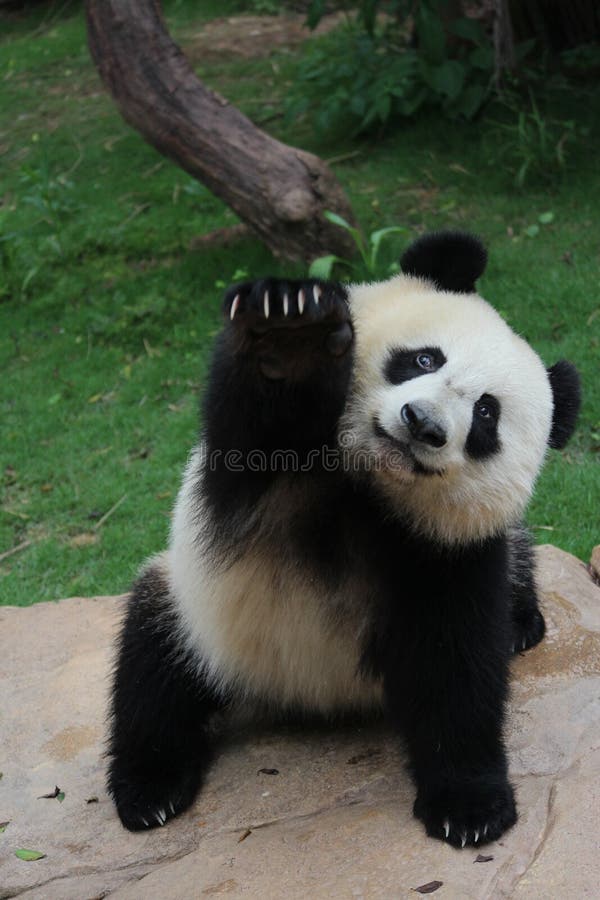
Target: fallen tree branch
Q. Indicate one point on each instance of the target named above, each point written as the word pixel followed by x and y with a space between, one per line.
pixel 281 192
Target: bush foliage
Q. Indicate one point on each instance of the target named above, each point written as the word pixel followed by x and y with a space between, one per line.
pixel 373 70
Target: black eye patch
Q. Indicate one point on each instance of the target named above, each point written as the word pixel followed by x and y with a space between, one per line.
pixel 483 440
pixel 402 364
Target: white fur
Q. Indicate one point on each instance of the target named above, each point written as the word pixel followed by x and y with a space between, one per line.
pixel 260 627
pixel 471 499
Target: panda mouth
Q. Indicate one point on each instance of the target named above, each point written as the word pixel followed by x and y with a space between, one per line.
pixel 413 464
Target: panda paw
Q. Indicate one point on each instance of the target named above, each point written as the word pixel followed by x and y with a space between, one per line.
pixel 291 326
pixel 286 303
pixel 144 802
pixel 528 630
pixel 467 815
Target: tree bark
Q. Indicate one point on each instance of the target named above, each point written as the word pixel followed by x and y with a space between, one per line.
pixel 279 191
pixel 505 59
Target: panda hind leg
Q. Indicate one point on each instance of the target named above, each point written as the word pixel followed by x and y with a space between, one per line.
pixel 162 713
pixel 528 624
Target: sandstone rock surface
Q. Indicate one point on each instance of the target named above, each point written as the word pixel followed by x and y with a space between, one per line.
pixel 335 822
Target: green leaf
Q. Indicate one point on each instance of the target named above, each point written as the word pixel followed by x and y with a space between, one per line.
pixel 532 231
pixel 322 266
pixel 546 218
pixel 384 106
pixel 29 855
pixel 430 34
pixel 337 220
pixel 470 100
pixel 368 12
pixel 60 796
pixel 482 58
pixel 4 826
pixel 447 79
pixel 29 277
pixel 469 29
pixel 315 13
pixel 377 237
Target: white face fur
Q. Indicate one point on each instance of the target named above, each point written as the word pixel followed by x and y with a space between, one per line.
pixel 447 492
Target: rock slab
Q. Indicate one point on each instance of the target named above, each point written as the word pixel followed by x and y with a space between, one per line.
pixel 336 820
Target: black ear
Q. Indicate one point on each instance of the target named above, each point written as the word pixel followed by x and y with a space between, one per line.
pixel 454 260
pixel 566 389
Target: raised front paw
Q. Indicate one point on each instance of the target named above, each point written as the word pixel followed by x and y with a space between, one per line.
pixel 290 325
pixel 144 801
pixel 284 303
pixel 529 628
pixel 468 814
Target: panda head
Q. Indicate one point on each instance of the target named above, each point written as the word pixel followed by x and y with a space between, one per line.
pixel 451 412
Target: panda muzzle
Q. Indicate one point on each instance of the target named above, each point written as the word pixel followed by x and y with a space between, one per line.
pixel 422 426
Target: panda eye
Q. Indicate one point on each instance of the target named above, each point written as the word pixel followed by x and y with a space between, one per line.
pixel 424 361
pixel 404 363
pixel 487 407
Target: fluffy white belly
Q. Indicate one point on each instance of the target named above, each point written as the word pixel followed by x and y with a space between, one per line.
pixel 261 628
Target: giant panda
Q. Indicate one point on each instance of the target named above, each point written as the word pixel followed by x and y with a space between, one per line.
pixel 348 537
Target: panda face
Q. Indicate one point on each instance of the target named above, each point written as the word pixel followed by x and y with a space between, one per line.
pixel 438 422
pixel 450 409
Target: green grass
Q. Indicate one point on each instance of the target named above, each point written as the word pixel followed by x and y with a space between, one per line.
pixel 108 307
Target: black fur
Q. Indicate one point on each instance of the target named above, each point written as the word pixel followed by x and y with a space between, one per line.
pixel 566 389
pixel 444 621
pixel 159 744
pixel 482 440
pixel 441 641
pixel 452 260
pixel 246 411
pixel 528 622
pixel 402 364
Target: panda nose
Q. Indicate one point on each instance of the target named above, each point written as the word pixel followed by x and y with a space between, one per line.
pixel 421 426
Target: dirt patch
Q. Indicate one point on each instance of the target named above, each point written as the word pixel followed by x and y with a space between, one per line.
pixel 252 37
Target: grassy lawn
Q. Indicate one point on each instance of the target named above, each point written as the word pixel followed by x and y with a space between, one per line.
pixel 108 303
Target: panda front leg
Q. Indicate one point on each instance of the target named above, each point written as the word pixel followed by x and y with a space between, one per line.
pixel 529 626
pixel 447 693
pixel 162 710
pixel 278 382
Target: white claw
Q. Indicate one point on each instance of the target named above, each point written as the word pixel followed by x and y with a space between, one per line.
pixel 524 643
pixel 476 837
pixel 286 304
pixel 463 839
pixel 316 293
pixel 146 822
pixel 234 306
pixel 172 808
pixel 485 831
pixel 266 304
pixel 301 301
pixel 161 816
pixel 447 828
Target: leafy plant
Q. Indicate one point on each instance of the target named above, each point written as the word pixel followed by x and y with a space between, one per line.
pixel 532 146
pixel 25 251
pixel 51 197
pixel 373 70
pixel 582 60
pixel 18 266
pixel 368 249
